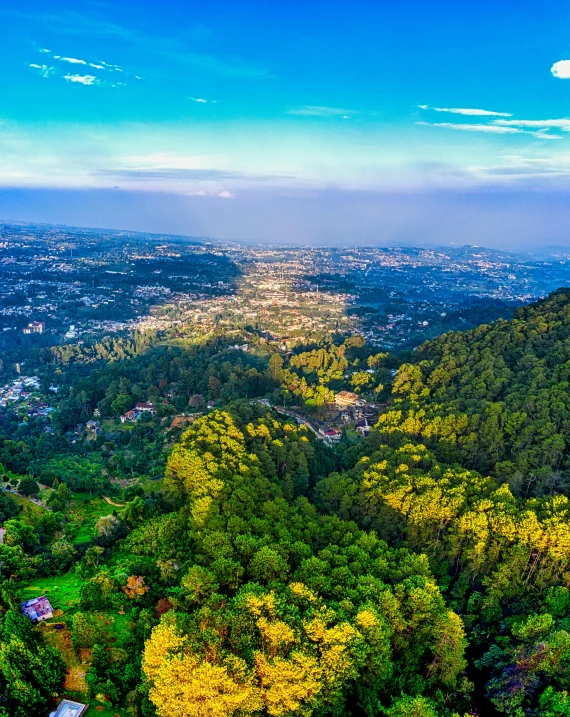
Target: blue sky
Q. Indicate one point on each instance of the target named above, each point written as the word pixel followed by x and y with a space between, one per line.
pixel 225 110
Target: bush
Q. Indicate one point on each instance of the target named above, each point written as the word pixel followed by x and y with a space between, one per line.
pixel 29 486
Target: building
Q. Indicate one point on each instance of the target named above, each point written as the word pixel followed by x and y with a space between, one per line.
pixel 130 416
pixel 37 609
pixel 34 327
pixel 69 708
pixel 363 427
pixel 146 407
pixel 345 399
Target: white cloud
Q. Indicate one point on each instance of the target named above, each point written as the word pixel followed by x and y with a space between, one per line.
pixel 318 111
pixel 44 70
pixel 109 66
pixel 226 195
pixel 201 100
pixel 471 112
pixel 561 69
pixel 82 79
pixel 44 49
pixel 71 60
pixel 98 65
pixel 563 124
pixel 487 128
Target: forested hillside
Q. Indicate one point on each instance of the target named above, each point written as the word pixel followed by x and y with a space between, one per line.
pixel 423 571
pixel 496 398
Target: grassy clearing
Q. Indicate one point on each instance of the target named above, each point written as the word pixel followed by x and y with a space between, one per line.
pixel 62 591
pixel 45 492
pixel 109 425
pixel 31 512
pixel 87 510
pixel 119 628
pixel 101 709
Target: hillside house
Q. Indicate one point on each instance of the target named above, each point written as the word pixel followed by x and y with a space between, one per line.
pixel 130 416
pixel 347 399
pixel 37 609
pixel 146 407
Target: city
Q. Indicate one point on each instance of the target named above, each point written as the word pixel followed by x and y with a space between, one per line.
pixel 63 284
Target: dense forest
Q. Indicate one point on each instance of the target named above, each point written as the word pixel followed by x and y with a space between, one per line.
pixel 241 566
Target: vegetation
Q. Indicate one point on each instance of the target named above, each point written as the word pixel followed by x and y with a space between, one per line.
pixel 420 572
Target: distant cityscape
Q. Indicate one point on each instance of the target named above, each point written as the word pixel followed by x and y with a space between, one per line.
pixel 64 285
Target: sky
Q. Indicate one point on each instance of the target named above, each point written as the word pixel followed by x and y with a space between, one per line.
pixel 298 121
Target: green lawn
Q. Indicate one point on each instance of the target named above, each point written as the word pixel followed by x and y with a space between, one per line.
pixel 110 425
pixel 107 710
pixel 88 513
pixel 62 591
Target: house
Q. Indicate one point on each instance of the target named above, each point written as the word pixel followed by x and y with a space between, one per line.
pixel 92 426
pixel 69 708
pixel 363 427
pixel 34 327
pixel 37 609
pixel 146 407
pixel 333 435
pixel 344 399
pixel 211 404
pixel 130 416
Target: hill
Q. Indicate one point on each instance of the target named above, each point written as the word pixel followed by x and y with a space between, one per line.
pixel 421 572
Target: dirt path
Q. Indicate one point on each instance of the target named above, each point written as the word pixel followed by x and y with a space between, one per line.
pixel 111 502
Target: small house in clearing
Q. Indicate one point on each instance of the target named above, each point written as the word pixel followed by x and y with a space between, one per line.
pixel 37 609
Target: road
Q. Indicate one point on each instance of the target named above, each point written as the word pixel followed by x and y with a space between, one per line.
pixel 305 421
pixel 32 500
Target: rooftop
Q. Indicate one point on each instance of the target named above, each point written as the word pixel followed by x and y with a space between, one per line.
pixel 68 708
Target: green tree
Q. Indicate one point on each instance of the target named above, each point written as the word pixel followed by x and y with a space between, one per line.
pixel 28 486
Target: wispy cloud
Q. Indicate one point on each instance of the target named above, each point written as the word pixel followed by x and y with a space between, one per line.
pixel 561 69
pixel 201 100
pixel 174 51
pixel 487 128
pixel 516 168
pixel 226 195
pixel 98 65
pixel 71 60
pixel 43 70
pixel 110 66
pixel 472 112
pixel 319 111
pixel 82 79
pixel 562 124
